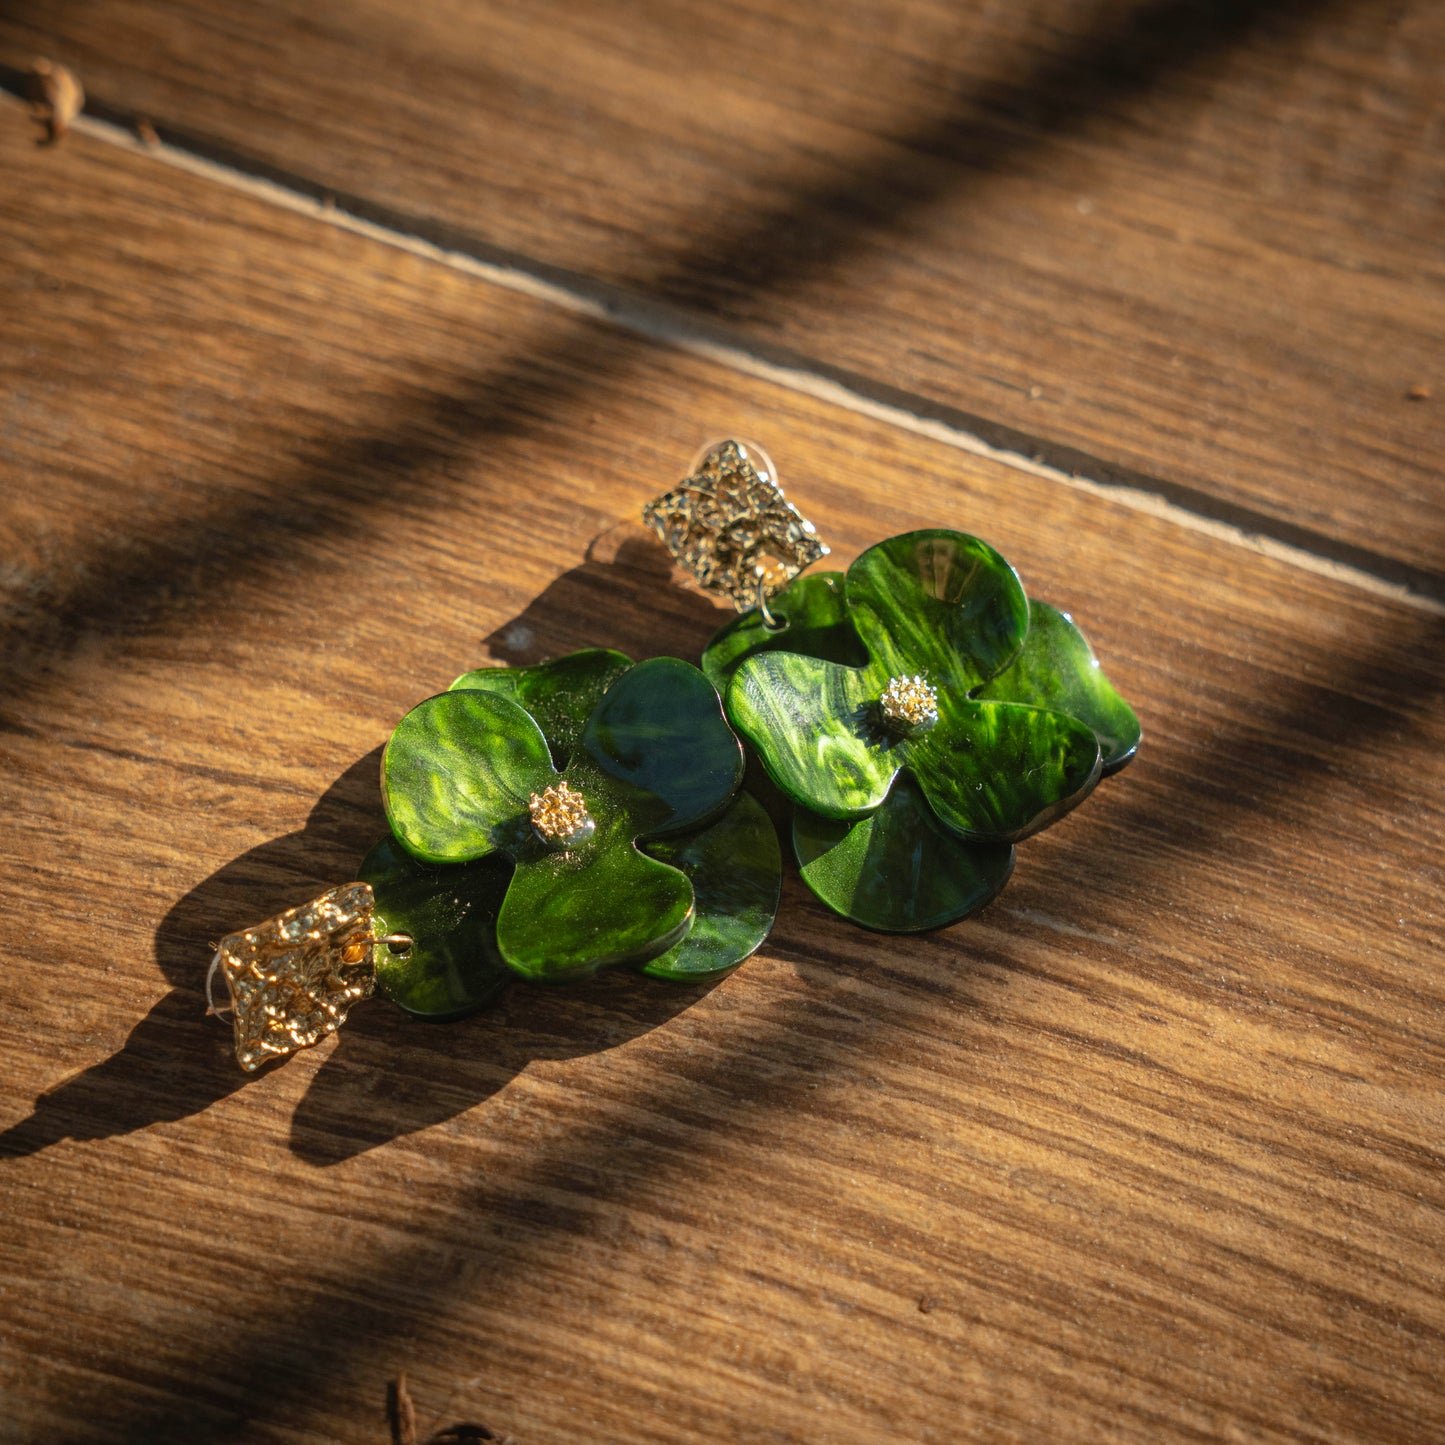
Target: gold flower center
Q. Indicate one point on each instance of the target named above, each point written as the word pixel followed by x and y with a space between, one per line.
pixel 909 704
pixel 559 814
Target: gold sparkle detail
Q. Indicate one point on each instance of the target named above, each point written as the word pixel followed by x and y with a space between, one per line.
pixel 294 978
pixel 909 703
pixel 559 814
pixel 730 526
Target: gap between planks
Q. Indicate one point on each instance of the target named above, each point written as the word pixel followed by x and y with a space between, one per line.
pixel 668 326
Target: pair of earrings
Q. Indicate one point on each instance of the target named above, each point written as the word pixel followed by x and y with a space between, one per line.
pixel 921 714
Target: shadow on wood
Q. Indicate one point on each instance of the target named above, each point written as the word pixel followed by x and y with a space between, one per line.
pixel 624 596
pixel 177 1063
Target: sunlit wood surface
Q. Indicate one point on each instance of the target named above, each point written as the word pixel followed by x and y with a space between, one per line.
pixel 1150 1151
pixel 1193 244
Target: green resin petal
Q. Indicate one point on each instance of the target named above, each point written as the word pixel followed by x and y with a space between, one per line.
pixel 567 914
pixel 898 871
pixel 814 726
pixel 457 773
pixel 736 870
pixel 1057 670
pixel 560 694
pixel 453 966
pixel 813 614
pixel 939 603
pixel 660 731
pixel 1001 771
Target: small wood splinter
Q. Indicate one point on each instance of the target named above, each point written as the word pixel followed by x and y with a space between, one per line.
pixel 56 97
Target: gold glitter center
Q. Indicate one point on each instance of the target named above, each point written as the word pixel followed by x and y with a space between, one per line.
pixel 909 703
pixel 559 814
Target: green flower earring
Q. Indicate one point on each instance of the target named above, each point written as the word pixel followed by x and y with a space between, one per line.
pixel 921 712
pixel 639 849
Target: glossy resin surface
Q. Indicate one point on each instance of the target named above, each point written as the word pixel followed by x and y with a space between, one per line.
pixel 650 752
pixel 1013 725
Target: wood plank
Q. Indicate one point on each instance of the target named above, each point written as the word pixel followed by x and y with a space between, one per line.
pixel 1191 246
pixel 1147 1152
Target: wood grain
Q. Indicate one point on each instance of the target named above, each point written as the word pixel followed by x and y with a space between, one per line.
pixel 1150 1151
pixel 1192 246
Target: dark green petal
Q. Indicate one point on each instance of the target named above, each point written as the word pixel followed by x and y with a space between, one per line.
pixel 736 870
pixel 559 694
pixel 1058 670
pixel 938 603
pixel 1001 771
pixel 457 774
pixel 450 910
pixel 813 617
pixel 660 731
pixel 897 870
pixel 568 914
pixel 814 725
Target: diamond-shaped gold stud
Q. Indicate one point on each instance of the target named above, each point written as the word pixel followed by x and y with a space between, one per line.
pixel 730 526
pixel 294 978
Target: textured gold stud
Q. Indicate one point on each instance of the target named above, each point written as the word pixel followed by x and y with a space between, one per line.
pixel 294 978
pixel 730 526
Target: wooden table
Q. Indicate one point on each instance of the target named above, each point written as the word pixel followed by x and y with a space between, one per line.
pixel 356 372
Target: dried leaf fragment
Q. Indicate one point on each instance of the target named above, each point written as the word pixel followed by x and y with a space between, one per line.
pixel 401 1413
pixel 55 96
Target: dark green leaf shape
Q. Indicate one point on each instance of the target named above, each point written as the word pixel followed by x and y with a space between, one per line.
pixel 559 694
pixel 813 616
pixel 1057 670
pixel 814 726
pixel 939 603
pixel 661 733
pixel 999 771
pixel 453 966
pixel 567 914
pixel 898 871
pixel 736 870
pixel 457 773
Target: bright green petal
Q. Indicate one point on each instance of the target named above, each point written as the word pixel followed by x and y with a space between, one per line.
pixel 898 871
pixel 453 966
pixel 814 726
pixel 938 603
pixel 997 770
pixel 736 870
pixel 1057 670
pixel 813 619
pixel 457 774
pixel 560 694
pixel 660 731
pixel 568 914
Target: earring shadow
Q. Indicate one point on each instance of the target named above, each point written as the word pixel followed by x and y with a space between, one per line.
pixel 390 1075
pixel 626 589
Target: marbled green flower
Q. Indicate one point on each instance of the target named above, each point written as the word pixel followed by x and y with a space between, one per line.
pixel 924 717
pixel 636 849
